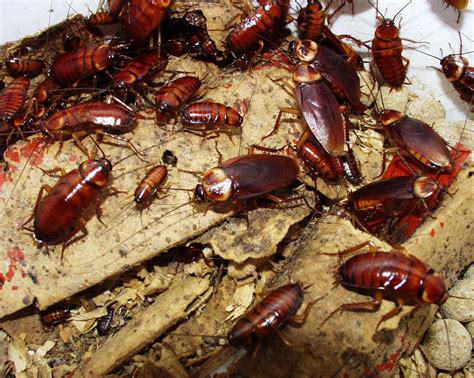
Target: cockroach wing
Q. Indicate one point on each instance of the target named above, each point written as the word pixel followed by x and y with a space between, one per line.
pixel 322 115
pixel 254 175
pixel 417 136
pixel 391 189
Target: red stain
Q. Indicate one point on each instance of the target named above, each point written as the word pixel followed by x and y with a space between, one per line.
pixel 242 105
pixel 432 233
pixel 35 150
pixel 441 224
pixel 2 280
pixel 17 263
pixel 14 288
pixel 12 155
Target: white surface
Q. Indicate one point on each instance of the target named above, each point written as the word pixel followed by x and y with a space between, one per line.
pixel 422 20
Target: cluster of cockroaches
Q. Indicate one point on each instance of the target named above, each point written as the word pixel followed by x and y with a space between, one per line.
pixel 327 91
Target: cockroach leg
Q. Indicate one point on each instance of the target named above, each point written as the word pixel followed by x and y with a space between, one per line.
pixel 278 120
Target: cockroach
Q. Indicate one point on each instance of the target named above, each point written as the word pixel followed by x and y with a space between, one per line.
pixel 52 318
pixel 100 18
pixel 201 45
pixel 24 67
pixel 143 16
pixel 351 168
pixel 261 27
pixel 169 158
pixel 418 139
pixel 12 99
pixel 45 90
pixel 387 49
pixel 391 275
pixel 311 20
pixel 274 311
pixel 150 185
pixel 72 42
pixel 210 116
pixel 85 61
pixel 137 68
pixel 459 5
pixel 245 177
pixel 172 96
pixel 110 118
pixel 341 75
pixel 115 7
pixel 104 323
pixel 460 75
pixel 57 216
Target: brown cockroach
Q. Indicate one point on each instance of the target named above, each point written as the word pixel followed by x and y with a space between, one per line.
pixel 143 16
pixel 138 68
pixel 100 18
pixel 24 67
pixel 58 216
pixel 52 318
pixel 210 116
pixel 247 176
pixel 171 97
pixel 340 75
pixel 387 49
pixel 459 5
pixel 115 7
pixel 12 98
pixel 418 139
pixel 391 275
pixel 85 61
pixel 263 26
pixel 460 75
pixel 150 185
pixel 311 20
pixel 266 317
pixel 104 323
pixel 45 90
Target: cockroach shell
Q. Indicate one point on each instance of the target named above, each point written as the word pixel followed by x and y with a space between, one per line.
pixel 420 140
pixel 454 67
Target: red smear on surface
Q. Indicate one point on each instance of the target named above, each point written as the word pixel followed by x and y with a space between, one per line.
pixel 36 149
pixel 12 155
pixel 243 105
pixel 2 280
pixel 14 288
pixel 432 233
pixel 16 256
pixel 441 224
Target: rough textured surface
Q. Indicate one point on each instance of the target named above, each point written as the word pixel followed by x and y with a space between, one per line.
pixel 462 308
pixel 447 353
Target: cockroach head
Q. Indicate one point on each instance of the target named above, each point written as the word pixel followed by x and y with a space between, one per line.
pixel 387 29
pixel 199 195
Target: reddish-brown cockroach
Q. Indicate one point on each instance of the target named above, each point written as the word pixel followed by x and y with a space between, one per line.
pixel 459 5
pixel 341 75
pixel 210 116
pixel 24 67
pixel 391 275
pixel 172 96
pixel 52 318
pixel 245 177
pixel 104 323
pixel 110 118
pixel 138 68
pixel 115 7
pixel 418 139
pixel 150 185
pixel 311 20
pixel 266 317
pixel 12 99
pixel 201 45
pixel 387 49
pixel 264 25
pixel 45 90
pixel 100 18
pixel 85 61
pixel 460 75
pixel 57 216
pixel 143 16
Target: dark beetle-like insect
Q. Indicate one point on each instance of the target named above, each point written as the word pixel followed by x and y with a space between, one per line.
pixel 210 116
pixel 24 67
pixel 267 316
pixel 391 275
pixel 169 158
pixel 150 185
pixel 104 323
pixel 172 96
pixel 11 100
pixel 55 317
pixel 246 176
pixel 460 75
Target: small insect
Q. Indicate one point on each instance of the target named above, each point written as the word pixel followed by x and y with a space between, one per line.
pixel 52 318
pixel 311 20
pixel 172 96
pixel 169 158
pixel 460 75
pixel 104 323
pixel 24 67
pixel 390 275
pixel 459 5
pixel 150 185
pixel 12 99
pixel 351 168
pixel 275 310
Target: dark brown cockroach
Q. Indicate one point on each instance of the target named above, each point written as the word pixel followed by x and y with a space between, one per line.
pixel 351 168
pixel 52 318
pixel 267 316
pixel 57 216
pixel 12 98
pixel 115 7
pixel 341 75
pixel 93 115
pixel 201 45
pixel 171 97
pixel 263 26
pixel 138 68
pixel 24 67
pixel 391 275
pixel 311 20
pixel 460 75
pixel 85 61
pixel 245 177
pixel 100 18
pixel 143 16
pixel 150 185
pixel 210 116
pixel 104 323
pixel 169 158
pixel 45 90
pixel 459 5
pixel 418 139
pixel 387 49
pixel 320 109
